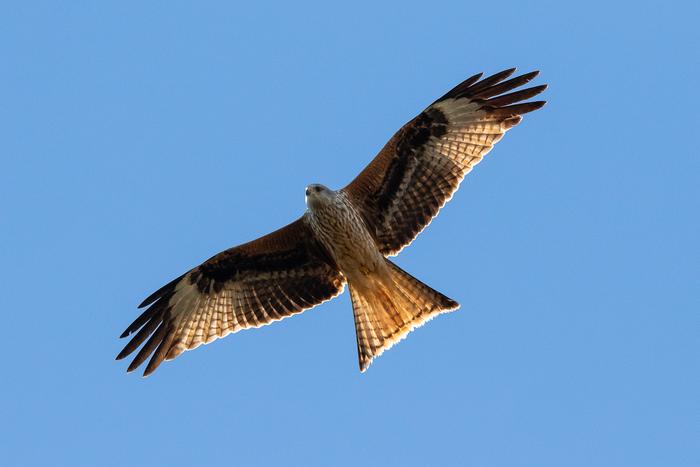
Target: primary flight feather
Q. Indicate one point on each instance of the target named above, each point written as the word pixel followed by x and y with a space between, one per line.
pixel 344 237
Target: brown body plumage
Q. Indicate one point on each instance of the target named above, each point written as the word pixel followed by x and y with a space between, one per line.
pixel 345 236
pixel 387 302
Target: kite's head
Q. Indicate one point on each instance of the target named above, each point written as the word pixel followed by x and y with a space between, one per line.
pixel 317 194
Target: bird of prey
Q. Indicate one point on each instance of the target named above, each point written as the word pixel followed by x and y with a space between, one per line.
pixel 343 237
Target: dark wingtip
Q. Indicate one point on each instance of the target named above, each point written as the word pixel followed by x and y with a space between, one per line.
pixel 473 79
pixel 150 299
pixel 532 106
pixel 141 320
pixel 169 287
pixel 133 365
pixel 520 109
pixel 527 77
pixel 497 77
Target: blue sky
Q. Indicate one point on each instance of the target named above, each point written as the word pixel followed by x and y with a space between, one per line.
pixel 138 140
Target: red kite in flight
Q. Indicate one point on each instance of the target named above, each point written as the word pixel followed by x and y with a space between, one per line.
pixel 344 237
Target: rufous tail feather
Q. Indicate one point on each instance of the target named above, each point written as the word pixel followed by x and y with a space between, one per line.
pixel 387 310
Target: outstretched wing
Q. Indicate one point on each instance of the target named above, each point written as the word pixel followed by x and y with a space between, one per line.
pixel 422 165
pixel 251 285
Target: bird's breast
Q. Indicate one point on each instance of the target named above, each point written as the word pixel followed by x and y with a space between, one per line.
pixel 341 229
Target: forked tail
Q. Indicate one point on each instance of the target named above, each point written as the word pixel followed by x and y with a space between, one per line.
pixel 386 311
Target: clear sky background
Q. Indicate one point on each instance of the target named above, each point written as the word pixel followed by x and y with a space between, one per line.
pixel 139 139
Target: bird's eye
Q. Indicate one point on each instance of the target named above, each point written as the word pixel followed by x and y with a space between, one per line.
pixel 318 188
pixel 307 192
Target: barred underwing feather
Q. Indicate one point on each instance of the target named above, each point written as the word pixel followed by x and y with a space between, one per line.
pixel 240 288
pixel 422 165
